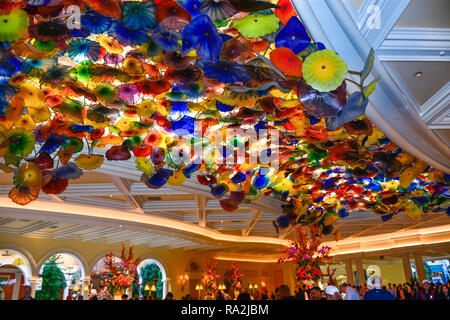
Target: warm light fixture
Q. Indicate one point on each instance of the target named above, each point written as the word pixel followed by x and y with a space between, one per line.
pixel 256 286
pixel 147 288
pixel 86 287
pixel 153 287
pixel 76 288
pixel 250 287
pixel 263 284
pixel 418 74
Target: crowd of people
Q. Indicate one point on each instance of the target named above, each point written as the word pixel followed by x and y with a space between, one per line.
pixel 375 290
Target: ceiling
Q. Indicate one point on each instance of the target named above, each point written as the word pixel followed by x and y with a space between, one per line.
pixel 414 39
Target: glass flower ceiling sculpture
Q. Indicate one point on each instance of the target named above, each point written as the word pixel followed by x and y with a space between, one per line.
pixel 149 80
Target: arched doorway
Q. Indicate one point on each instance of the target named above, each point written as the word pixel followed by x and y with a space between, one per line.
pixel 72 269
pixel 11 282
pixel 152 272
pixel 16 259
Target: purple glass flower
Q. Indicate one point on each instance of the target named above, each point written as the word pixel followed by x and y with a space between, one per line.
pixel 128 93
pixel 113 58
pixel 321 104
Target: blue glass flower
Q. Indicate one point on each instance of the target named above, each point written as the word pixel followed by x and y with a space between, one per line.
pixel 38 3
pixel 166 39
pixel 137 15
pixel 218 190
pixel 69 171
pixel 80 49
pixel 202 35
pixel 260 182
pixel 239 177
pixel 96 22
pixel 53 142
pixel 223 107
pixel 226 71
pixel 293 36
pixel 190 169
pixel 83 32
pixel 179 107
pixel 191 6
pixel 128 37
pixel 351 111
pixel 184 126
pixel 283 222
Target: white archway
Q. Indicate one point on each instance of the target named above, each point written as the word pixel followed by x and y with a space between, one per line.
pixel 79 260
pixel 162 267
pixel 28 269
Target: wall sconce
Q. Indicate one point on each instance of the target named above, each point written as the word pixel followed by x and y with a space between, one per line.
pixel 76 288
pixel 86 287
pixel 153 288
pixel 147 288
pixel 183 280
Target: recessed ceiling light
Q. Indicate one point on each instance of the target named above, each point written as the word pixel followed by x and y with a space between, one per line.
pixel 120 226
pixel 418 74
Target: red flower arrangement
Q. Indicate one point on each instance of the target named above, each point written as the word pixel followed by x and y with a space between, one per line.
pixel 330 275
pixel 211 274
pixel 305 252
pixel 233 277
pixel 120 275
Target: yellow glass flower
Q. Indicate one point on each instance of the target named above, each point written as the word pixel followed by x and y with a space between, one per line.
pixel 125 123
pixel 29 175
pixel 40 114
pixel 24 121
pixel 142 164
pixel 324 70
pixel 110 44
pixel 89 162
pixel 413 211
pixel 177 179
pixel 31 95
pixel 146 108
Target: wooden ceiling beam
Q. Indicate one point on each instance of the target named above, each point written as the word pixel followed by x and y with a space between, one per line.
pixel 251 224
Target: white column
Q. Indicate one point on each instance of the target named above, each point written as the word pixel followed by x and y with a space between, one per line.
pixel 407 267
pixel 360 272
pixel 16 289
pixel 420 269
pixel 85 294
pixel 33 280
pixel 349 270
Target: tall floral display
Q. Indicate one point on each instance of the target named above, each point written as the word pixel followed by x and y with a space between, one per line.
pixel 233 277
pixel 211 275
pixel 119 275
pixel 305 253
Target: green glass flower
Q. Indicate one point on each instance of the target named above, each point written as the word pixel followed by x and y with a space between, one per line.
pixel 257 25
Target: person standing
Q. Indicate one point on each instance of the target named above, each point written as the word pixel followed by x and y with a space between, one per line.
pixel 426 293
pixel 315 294
pixel 378 293
pixel 332 293
pixel 350 293
pixel 27 293
pixel 391 290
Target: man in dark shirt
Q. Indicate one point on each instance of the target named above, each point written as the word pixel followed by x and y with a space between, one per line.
pixel 378 293
pixel 426 293
pixel 285 292
pixel 27 293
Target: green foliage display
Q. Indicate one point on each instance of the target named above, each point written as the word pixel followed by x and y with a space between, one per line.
pixel 148 274
pixel 53 281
